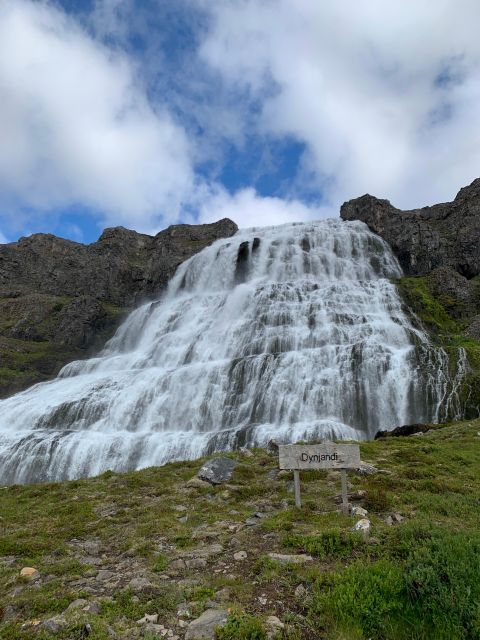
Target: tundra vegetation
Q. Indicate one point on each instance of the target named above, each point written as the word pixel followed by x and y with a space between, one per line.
pixel 151 542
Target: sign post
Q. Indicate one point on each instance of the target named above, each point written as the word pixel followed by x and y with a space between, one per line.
pixel 319 456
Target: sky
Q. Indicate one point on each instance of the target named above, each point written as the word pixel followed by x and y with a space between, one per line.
pixel 146 113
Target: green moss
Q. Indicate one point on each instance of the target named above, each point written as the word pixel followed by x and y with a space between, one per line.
pixel 433 314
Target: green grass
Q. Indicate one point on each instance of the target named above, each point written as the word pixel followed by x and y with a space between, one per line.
pixel 407 571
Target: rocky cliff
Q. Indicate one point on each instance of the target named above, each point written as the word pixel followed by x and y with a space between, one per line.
pixel 60 300
pixel 444 235
pixel 439 250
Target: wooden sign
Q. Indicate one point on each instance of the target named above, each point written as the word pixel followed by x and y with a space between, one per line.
pixel 319 456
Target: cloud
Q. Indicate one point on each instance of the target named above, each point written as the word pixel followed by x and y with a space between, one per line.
pixel 77 126
pixel 385 96
pixel 248 209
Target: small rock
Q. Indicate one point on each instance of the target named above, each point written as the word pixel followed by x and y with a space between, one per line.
pixel 217 470
pixel 148 619
pixel 140 584
pixel 93 608
pixel 359 511
pixel 30 573
pixel 177 565
pixel 273 621
pixel 272 448
pixel 9 613
pixel 54 625
pixel 180 507
pixel 196 563
pixel 252 522
pixel 364 526
pixel 103 575
pixel 273 474
pixel 203 628
pixel 300 591
pixel 240 555
pixel 292 558
pixel 389 521
pixel 77 604
pixel 247 453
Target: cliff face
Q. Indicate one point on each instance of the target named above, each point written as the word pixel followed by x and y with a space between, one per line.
pixel 445 235
pixel 60 300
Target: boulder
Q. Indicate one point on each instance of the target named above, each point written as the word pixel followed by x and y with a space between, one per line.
pixel 217 470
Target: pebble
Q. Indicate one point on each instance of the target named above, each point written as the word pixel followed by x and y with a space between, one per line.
pixel 30 573
pixel 240 555
pixel 148 619
pixel 364 526
pixel 359 511
pixel 300 591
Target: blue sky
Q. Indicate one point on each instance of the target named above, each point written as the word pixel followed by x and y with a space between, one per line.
pixel 145 113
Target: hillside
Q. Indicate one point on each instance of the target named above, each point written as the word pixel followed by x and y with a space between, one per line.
pixel 116 549
pixel 61 300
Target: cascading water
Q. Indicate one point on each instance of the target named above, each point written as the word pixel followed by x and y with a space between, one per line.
pixel 292 332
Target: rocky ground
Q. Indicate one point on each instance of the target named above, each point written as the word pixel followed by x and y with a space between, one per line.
pixel 61 300
pixel 164 553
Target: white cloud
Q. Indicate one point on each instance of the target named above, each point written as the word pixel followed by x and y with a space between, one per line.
pixel 76 126
pixel 385 95
pixel 248 209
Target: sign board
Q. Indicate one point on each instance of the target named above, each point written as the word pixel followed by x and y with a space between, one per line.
pixel 319 456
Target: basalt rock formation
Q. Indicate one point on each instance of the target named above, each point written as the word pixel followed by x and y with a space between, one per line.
pixel 444 235
pixel 60 300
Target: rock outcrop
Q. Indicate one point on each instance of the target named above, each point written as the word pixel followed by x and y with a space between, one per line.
pixel 60 300
pixel 444 235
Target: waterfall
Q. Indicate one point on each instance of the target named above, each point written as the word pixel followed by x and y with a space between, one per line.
pixel 292 332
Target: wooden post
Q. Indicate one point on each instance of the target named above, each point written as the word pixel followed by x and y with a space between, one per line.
pixel 296 481
pixel 344 492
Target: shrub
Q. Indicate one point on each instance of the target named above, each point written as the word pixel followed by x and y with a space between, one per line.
pixel 241 626
pixel 334 543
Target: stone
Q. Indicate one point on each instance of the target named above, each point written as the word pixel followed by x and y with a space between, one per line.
pixel 246 453
pixel 359 511
pixel 153 619
pixel 77 604
pixel 363 526
pixel 30 573
pixel 203 628
pixel 284 558
pixel 196 563
pixel 54 625
pixel 104 575
pixel 300 591
pixel 140 584
pixel 240 555
pixel 272 448
pixel 404 430
pixel 217 470
pixel 276 623
pixel 273 474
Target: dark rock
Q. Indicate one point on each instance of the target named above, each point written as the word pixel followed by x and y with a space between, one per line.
pixel 272 448
pixel 405 430
pixel 473 329
pixel 217 470
pixel 444 235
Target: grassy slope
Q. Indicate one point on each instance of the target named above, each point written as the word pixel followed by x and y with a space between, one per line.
pixel 418 579
pixel 446 321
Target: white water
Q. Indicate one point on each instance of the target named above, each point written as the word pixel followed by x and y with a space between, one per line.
pixel 298 334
